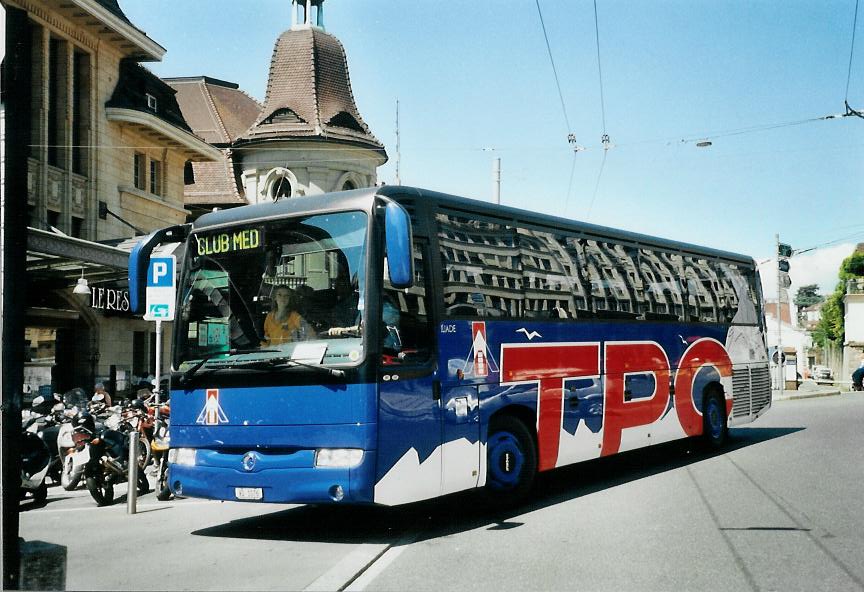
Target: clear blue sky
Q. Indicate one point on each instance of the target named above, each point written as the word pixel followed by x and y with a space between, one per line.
pixel 475 75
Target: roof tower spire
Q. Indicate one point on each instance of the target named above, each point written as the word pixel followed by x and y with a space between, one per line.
pixel 306 14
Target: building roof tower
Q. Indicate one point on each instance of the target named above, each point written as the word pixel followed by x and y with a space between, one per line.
pixel 309 91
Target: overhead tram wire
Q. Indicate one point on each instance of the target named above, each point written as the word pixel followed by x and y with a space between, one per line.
pixel 571 137
pixel 554 69
pixel 604 139
pixel 850 110
pixel 824 245
pixel 600 72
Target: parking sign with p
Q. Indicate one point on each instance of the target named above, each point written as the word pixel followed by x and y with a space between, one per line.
pixel 161 289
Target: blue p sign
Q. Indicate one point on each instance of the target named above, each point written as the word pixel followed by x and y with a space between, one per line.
pixel 161 289
pixel 160 274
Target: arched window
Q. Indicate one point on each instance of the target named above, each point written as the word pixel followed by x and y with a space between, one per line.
pixel 350 180
pixel 280 188
pixel 279 183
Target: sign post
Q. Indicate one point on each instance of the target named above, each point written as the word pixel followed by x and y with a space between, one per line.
pixel 161 296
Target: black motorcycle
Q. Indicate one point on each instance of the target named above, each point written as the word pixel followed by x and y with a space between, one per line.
pixel 108 460
pixel 44 419
pixel 35 461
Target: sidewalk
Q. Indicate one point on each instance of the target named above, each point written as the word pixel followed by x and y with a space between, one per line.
pixel 808 389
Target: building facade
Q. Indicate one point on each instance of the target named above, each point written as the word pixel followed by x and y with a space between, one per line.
pixel 307 138
pixel 105 163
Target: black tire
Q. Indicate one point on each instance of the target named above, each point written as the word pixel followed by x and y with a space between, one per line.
pixel 511 462
pixel 55 472
pixel 144 453
pixel 69 479
pixel 103 493
pixel 162 484
pixel 40 494
pixel 143 483
pixel 715 432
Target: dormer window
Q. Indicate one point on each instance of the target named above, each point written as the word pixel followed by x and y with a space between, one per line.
pixel 346 120
pixel 280 188
pixel 151 102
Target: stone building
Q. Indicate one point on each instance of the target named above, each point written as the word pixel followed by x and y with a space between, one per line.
pixel 307 138
pixel 106 158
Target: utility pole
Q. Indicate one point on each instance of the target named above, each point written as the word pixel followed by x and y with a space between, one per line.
pixel 780 369
pixel 784 251
pixel 13 236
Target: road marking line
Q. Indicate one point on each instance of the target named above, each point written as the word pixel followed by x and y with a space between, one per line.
pixel 347 569
pixel 361 566
pixel 119 505
pixel 374 569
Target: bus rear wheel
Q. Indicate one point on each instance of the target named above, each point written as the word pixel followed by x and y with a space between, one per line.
pixel 511 462
pixel 714 429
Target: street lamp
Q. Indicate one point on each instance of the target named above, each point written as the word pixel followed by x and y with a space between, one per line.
pixel 81 288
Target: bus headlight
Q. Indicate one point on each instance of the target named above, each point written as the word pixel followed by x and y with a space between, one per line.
pixel 344 458
pixel 182 456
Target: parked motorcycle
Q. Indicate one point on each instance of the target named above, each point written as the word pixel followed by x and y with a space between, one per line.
pixel 107 460
pixel 135 417
pixel 160 445
pixel 71 448
pixel 43 419
pixel 35 462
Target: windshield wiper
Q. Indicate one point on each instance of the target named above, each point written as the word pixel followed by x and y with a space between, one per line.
pixel 286 360
pixel 231 352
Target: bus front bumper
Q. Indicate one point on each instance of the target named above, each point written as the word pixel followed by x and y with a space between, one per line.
pixel 272 478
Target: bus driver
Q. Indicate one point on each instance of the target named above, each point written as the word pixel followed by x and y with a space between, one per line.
pixel 283 324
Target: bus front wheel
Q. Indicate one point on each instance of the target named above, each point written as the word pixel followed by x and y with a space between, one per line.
pixel 511 462
pixel 714 430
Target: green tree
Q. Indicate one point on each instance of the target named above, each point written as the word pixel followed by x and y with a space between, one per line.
pixel 808 296
pixel 831 325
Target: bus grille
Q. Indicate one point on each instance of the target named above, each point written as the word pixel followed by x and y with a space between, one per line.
pixel 761 388
pixel 751 389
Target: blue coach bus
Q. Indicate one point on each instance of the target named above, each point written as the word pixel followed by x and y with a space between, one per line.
pixel 436 344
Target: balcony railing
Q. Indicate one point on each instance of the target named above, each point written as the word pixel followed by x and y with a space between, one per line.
pixel 855 286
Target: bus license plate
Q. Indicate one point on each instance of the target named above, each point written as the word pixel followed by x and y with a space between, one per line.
pixel 248 493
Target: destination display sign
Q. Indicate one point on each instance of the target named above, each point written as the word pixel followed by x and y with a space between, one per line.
pixel 235 241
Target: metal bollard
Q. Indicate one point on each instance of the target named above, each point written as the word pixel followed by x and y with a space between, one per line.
pixel 132 496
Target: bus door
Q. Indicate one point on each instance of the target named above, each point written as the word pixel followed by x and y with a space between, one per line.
pixel 409 406
pixel 460 451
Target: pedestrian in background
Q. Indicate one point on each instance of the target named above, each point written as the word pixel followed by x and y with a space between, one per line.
pixel 101 395
pixel 858 378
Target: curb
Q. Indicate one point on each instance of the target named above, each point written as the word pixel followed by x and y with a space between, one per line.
pixel 806 395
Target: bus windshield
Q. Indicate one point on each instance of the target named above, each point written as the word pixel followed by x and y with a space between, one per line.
pixel 288 290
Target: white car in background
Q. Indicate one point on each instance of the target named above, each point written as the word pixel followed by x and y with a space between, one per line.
pixel 822 373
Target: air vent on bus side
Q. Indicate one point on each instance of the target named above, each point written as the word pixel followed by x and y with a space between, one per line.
pixel 751 389
pixel 760 379
pixel 741 392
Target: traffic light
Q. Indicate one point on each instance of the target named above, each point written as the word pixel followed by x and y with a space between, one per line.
pixel 783 265
pixel 784 250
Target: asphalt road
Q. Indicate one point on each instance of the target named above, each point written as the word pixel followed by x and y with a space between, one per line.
pixel 782 508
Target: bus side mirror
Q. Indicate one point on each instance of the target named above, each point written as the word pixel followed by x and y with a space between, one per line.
pixel 400 259
pixel 139 262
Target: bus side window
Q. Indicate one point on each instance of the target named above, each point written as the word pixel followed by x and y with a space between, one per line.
pixel 405 318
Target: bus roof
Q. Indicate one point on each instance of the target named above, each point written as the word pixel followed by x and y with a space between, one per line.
pixel 592 230
pixel 357 199
pixel 361 199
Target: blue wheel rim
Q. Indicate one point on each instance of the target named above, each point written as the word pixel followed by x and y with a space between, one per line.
pixel 506 460
pixel 715 418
